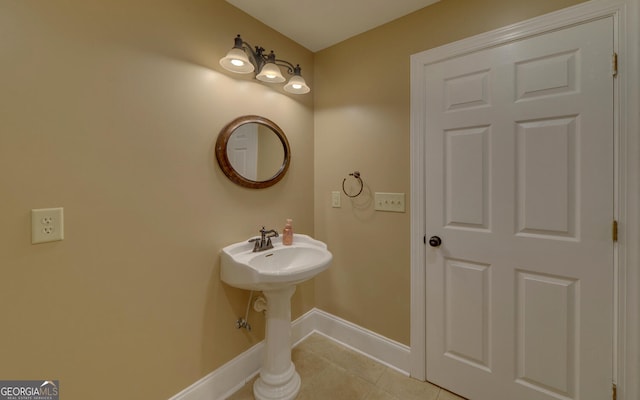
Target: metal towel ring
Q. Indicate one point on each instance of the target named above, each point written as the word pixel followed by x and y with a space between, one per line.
pixel 356 175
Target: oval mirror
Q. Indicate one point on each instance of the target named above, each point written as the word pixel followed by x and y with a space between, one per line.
pixel 253 152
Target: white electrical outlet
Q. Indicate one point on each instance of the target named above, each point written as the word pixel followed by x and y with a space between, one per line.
pixel 389 202
pixel 47 225
pixel 335 199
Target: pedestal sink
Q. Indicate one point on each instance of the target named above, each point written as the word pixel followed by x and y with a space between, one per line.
pixel 275 272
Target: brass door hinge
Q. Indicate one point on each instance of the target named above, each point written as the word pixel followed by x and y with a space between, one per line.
pixel 614 231
pixel 614 393
pixel 614 64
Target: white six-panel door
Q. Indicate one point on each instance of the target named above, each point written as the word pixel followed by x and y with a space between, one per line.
pixel 519 187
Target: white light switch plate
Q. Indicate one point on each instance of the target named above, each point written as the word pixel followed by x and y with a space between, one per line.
pixel 47 225
pixel 335 199
pixel 393 202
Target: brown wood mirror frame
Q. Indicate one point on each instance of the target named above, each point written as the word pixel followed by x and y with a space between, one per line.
pixel 222 152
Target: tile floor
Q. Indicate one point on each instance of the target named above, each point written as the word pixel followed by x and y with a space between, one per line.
pixel 331 371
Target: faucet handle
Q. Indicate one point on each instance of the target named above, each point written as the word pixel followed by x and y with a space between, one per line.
pixel 256 244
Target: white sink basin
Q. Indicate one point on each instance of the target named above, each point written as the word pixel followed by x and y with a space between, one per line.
pixel 275 268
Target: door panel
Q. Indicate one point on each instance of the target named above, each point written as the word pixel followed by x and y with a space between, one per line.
pixel 546 164
pixel 466 313
pixel 546 354
pixel 519 185
pixel 466 177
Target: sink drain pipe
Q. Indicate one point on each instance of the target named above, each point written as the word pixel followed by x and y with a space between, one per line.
pixel 260 304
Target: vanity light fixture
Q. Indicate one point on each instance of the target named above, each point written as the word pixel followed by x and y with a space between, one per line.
pixel 243 59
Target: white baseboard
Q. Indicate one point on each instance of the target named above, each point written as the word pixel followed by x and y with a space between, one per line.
pixel 383 350
pixel 230 377
pixel 227 379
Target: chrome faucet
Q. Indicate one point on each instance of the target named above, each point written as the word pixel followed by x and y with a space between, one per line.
pixel 264 241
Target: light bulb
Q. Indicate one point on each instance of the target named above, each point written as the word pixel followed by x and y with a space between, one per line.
pixel 237 61
pixel 270 73
pixel 297 85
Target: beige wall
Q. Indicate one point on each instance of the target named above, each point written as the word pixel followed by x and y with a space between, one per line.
pixel 111 109
pixel 362 116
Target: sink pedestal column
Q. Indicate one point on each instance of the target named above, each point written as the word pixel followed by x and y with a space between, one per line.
pixel 278 377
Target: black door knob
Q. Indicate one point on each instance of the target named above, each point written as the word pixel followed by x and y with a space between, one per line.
pixel 435 241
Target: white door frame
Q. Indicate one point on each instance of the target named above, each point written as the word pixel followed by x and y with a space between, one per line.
pixel 626 14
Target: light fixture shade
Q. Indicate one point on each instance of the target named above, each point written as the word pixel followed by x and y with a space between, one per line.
pixel 297 85
pixel 237 61
pixel 270 73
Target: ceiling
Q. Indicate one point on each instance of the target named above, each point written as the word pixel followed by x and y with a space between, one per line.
pixel 317 24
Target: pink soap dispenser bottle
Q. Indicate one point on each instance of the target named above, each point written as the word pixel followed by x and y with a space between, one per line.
pixel 287 233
